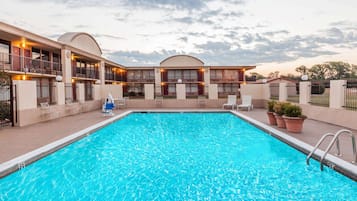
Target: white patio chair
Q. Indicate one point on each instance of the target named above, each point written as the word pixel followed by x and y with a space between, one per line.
pixel 231 101
pixel 246 102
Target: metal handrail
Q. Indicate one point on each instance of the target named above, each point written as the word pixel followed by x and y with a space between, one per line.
pixel 335 139
pixel 349 133
pixel 317 146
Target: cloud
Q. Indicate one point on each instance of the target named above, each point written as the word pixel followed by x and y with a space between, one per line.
pixel 137 58
pixel 108 36
pixel 169 4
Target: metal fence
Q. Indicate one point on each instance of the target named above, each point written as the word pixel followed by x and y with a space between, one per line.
pixel 274 91
pixel 293 92
pixel 351 95
pixel 320 93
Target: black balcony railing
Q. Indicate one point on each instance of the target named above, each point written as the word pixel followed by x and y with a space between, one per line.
pixel 85 73
pixel 28 65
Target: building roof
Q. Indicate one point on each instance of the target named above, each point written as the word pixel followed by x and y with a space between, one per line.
pixel 82 41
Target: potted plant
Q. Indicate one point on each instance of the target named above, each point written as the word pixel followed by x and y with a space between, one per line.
pixel 279 109
pixel 270 113
pixel 293 118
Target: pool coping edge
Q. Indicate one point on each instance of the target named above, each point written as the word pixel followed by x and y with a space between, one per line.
pixel 21 161
pixel 340 165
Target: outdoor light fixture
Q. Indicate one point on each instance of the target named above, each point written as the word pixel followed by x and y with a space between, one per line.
pixel 179 81
pixel 304 77
pixel 58 78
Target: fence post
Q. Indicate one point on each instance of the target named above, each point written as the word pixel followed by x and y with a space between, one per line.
pixel 59 93
pixel 149 91
pixel 283 91
pixel 80 92
pixel 213 91
pixel 337 93
pixel 180 91
pixel 304 92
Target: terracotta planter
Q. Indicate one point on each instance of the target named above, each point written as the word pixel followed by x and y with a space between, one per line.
pixel 294 124
pixel 280 121
pixel 271 117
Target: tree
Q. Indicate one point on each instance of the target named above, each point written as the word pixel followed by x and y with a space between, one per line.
pixel 274 74
pixel 338 70
pixel 353 71
pixel 257 75
pixel 318 72
pixel 301 69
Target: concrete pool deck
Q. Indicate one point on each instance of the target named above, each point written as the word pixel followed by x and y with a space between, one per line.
pixel 16 141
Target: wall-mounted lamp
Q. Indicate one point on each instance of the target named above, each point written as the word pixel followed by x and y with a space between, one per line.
pixel 72 80
pixel 179 81
pixel 59 78
pixel 23 77
pixel 304 77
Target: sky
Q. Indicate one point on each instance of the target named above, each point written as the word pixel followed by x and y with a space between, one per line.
pixel 274 35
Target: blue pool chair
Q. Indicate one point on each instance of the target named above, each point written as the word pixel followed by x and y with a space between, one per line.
pixel 108 108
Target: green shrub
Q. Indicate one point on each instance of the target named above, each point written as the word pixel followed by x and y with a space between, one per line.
pixel 270 105
pixel 292 111
pixel 279 107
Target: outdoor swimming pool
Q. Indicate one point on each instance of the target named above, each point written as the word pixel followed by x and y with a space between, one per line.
pixel 177 156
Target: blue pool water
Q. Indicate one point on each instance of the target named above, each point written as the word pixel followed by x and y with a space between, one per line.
pixel 177 156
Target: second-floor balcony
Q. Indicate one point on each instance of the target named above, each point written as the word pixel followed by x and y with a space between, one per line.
pixel 85 72
pixel 9 62
pixel 115 77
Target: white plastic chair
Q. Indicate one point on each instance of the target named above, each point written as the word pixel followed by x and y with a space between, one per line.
pixel 231 101
pixel 246 102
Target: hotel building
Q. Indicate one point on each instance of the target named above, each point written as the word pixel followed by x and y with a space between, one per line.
pixel 43 79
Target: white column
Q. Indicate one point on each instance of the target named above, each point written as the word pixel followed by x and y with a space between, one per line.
pixel 102 72
pixel 337 93
pixel 283 91
pixel 180 91
pixel 80 92
pixel 305 92
pixel 59 93
pixel 149 91
pixel 207 80
pixel 212 91
pixel 157 81
pixel 26 94
pixel 97 92
pixel 66 65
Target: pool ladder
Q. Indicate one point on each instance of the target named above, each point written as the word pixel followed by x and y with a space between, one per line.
pixel 334 140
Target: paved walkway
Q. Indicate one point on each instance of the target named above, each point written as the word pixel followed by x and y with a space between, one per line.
pixel 20 140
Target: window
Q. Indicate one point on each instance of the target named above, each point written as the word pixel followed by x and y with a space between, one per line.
pixel 5 51
pixel 172 89
pixel 36 53
pixel 216 75
pixel 230 75
pixel 148 75
pixel 192 89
